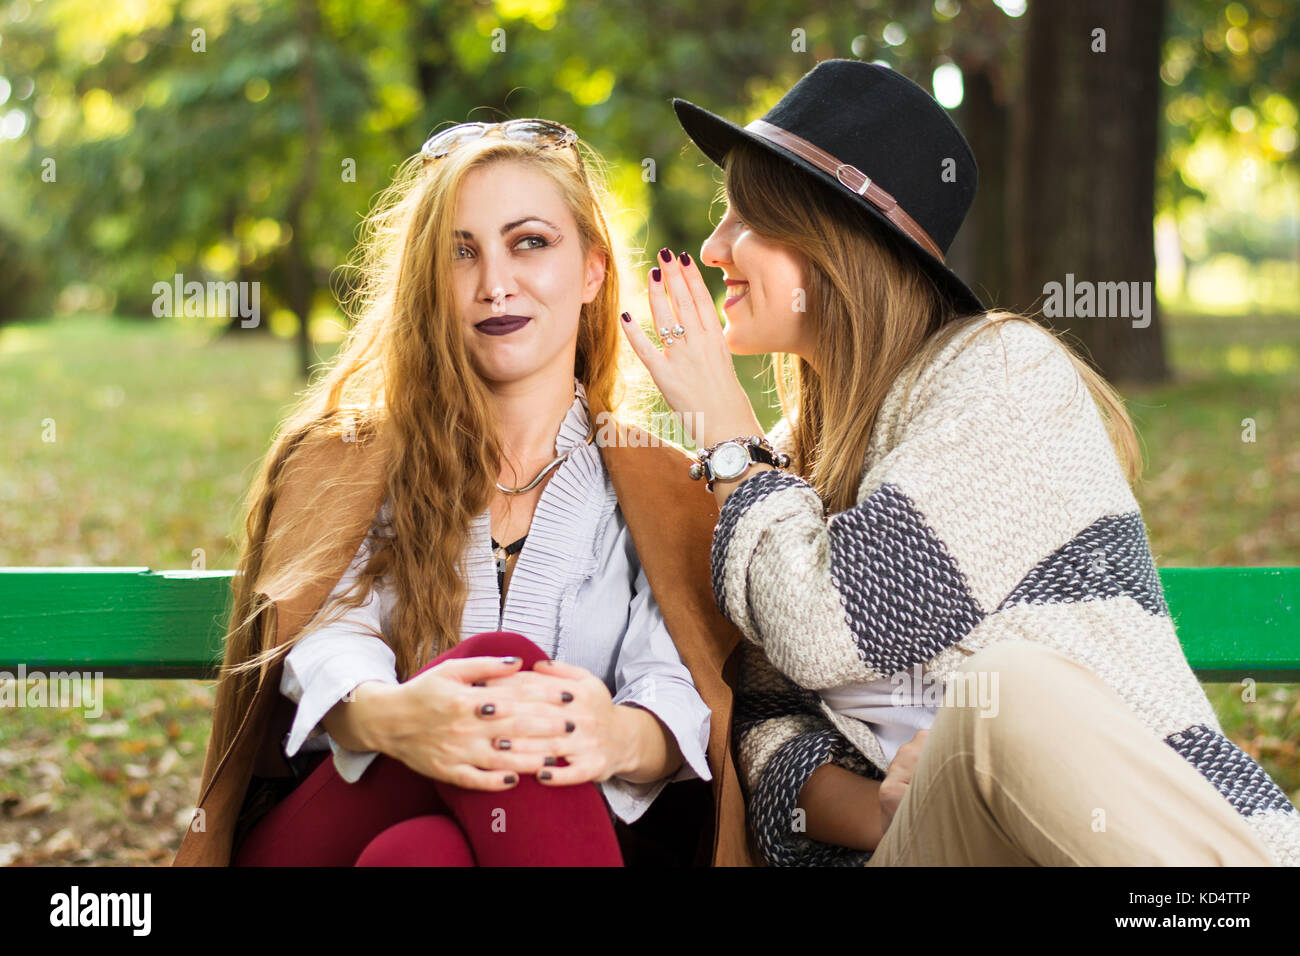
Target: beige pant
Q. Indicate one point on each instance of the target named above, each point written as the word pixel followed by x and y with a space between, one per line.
pixel 1064 774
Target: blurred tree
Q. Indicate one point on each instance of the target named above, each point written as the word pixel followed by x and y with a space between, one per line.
pixel 1084 188
pixel 250 150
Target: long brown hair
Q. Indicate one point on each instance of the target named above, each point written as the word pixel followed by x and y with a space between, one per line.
pixel 404 380
pixel 875 311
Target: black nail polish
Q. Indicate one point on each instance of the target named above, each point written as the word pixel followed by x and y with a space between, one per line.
pixel 684 259
pixel 626 317
pixel 656 274
pixel 566 696
pixel 503 745
pixel 544 775
pixel 511 779
pixel 666 254
pixel 551 762
pixel 487 710
pixel 480 683
pixel 570 726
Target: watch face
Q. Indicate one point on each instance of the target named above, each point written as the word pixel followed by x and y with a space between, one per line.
pixel 729 460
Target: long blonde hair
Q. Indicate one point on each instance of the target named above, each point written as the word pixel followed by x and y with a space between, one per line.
pixel 874 311
pixel 403 373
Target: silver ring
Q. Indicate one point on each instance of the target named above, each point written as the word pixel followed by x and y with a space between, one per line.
pixel 678 331
pixel 664 333
pixel 669 340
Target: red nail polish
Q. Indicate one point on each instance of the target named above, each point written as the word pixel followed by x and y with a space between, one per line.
pixel 666 254
pixel 626 317
pixel 656 274
pixel 684 259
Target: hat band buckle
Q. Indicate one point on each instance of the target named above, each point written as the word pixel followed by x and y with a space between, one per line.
pixel 866 180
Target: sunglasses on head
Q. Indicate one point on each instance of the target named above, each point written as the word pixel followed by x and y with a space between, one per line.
pixel 539 132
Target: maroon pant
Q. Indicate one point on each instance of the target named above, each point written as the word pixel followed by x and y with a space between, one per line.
pixel 394 816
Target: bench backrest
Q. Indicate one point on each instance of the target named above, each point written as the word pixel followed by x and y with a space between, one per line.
pixel 134 622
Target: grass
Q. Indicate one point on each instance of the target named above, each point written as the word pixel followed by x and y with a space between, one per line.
pixel 130 443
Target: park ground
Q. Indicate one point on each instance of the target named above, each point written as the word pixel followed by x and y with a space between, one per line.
pixel 159 429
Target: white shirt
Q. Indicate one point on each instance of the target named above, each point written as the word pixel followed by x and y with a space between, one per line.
pixel 891 707
pixel 577 591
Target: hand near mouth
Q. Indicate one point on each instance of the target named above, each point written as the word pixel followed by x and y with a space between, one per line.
pixel 695 373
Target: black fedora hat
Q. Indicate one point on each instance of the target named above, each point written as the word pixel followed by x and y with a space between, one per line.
pixel 875 137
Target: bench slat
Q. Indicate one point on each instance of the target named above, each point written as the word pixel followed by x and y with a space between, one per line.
pixel 125 622
pixel 133 622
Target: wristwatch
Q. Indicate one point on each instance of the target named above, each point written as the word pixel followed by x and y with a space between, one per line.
pixel 731 459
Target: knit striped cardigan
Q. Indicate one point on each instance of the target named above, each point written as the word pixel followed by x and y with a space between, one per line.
pixel 992 507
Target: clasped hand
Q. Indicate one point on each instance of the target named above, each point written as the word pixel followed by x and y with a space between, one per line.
pixel 480 722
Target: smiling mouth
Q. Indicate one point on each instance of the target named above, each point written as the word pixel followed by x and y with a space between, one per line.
pixel 502 324
pixel 742 291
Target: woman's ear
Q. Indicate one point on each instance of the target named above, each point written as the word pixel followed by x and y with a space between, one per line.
pixel 595 275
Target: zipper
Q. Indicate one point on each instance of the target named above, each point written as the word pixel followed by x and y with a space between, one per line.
pixel 501 554
pixel 501 571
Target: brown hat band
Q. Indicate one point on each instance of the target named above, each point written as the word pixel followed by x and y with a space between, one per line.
pixel 849 176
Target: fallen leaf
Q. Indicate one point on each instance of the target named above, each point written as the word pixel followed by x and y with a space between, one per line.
pixel 168 760
pixel 33 805
pixel 117 728
pixel 63 841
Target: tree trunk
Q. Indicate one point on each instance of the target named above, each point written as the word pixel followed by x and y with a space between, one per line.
pixel 979 252
pixel 1084 177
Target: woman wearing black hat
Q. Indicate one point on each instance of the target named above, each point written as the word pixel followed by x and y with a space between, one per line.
pixel 971 660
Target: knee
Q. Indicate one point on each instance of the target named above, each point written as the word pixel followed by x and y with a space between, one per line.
pixel 1018 682
pixel 494 644
pixel 1018 664
pixel 432 840
pixel 501 644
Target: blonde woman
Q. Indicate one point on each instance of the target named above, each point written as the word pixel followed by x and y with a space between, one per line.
pixel 983 548
pixel 490 679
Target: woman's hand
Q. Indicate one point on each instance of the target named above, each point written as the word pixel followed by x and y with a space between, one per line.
pixel 695 373
pixel 443 726
pixel 601 740
pixel 899 777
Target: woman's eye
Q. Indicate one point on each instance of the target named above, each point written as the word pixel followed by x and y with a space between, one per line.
pixel 544 243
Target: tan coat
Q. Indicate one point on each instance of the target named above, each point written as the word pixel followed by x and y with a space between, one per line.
pixel 671 521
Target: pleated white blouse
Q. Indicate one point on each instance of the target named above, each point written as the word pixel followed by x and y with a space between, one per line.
pixel 577 591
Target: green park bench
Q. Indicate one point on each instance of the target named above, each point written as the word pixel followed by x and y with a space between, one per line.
pixel 1234 623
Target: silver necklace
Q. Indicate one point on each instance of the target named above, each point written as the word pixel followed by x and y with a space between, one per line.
pixel 544 472
pixel 591 434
